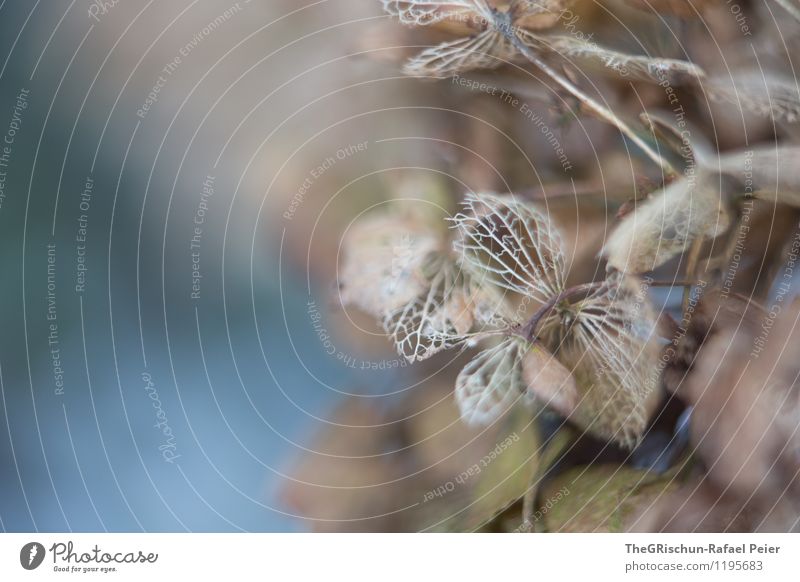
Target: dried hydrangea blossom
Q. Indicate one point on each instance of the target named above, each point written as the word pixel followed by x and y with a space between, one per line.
pixel 608 341
pixel 511 244
pixel 450 306
pixel 500 29
pixel 601 346
pixel 433 319
pixel 401 270
pixel 585 352
pixel 511 31
pixel 425 12
pixel 701 204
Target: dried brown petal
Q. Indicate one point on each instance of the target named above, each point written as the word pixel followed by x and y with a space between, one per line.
pixel 548 381
pixel 382 257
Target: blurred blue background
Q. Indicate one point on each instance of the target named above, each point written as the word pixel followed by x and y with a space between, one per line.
pixel 177 411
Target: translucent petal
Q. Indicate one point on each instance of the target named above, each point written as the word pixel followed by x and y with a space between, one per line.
pixel 491 383
pixel 438 318
pixel 548 381
pixel 510 244
pixel 487 50
pixel 424 12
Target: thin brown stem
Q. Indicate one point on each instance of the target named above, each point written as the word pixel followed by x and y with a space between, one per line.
pixel 671 284
pixel 691 270
pixel 528 501
pixel 601 111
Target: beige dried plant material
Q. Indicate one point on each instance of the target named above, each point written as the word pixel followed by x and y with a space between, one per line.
pixel 763 94
pixel 382 257
pixel 604 344
pixel 681 8
pixel 792 7
pixel 400 270
pixel 700 204
pixel 439 317
pixel 744 429
pixel 485 50
pixel 426 12
pixel 769 173
pixel 746 399
pixel 666 224
pixel 539 14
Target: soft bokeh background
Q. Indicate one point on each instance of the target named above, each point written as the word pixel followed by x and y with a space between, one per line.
pixel 276 123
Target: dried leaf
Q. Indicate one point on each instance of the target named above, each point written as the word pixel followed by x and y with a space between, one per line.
pixel 639 67
pixel 746 400
pixel 666 225
pixel 713 313
pixel 491 383
pixel 680 136
pixel 768 172
pixel 510 244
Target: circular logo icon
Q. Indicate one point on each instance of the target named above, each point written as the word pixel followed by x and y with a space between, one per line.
pixel 31 555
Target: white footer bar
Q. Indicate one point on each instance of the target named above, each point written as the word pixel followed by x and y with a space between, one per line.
pixel 401 557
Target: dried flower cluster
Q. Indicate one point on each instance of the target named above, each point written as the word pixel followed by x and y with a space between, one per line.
pixel 585 352
pixel 678 417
